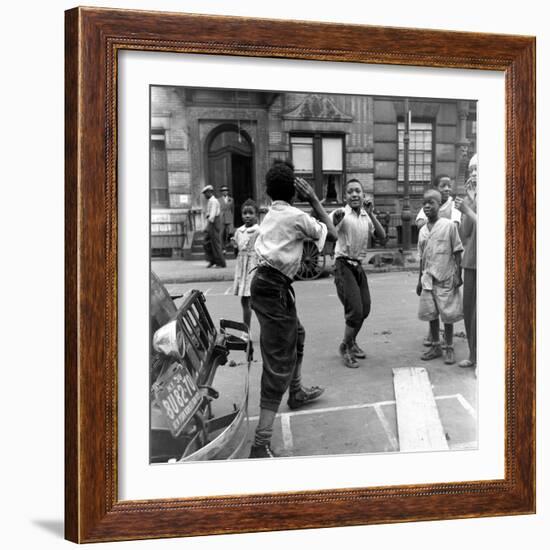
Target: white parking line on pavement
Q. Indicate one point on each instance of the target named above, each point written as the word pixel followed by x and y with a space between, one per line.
pixel 288 441
pixel 287 432
pixel 228 291
pixel 387 428
pixel 464 402
pixel 457 396
pixel 332 409
pixel 206 291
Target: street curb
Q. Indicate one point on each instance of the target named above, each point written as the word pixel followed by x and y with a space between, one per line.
pixel 217 277
pixel 197 279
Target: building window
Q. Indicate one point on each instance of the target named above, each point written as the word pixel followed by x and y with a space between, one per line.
pixel 420 156
pixel 159 174
pixel 319 158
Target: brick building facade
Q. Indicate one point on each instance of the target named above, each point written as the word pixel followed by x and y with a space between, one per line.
pixel 203 136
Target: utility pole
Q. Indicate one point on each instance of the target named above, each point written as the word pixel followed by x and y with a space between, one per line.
pixel 406 207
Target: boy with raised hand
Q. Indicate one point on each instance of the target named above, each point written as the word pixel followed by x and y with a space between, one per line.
pixel 354 225
pixel 440 251
pixel 468 233
pixel 279 248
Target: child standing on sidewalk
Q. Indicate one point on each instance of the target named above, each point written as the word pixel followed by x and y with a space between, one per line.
pixel 440 251
pixel 279 247
pixel 468 232
pixel 244 240
pixel 354 225
pixel 447 210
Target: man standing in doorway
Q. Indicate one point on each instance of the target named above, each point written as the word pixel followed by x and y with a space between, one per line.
pixel 212 240
pixel 227 206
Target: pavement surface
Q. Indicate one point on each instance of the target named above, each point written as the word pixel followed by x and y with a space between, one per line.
pixel 356 414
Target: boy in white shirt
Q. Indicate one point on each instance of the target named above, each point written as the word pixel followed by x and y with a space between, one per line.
pixel 279 247
pixel 447 210
pixel 440 250
pixel 354 224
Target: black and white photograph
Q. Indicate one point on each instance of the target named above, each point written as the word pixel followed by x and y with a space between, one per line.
pixel 313 274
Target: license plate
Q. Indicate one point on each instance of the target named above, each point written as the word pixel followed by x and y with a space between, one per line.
pixel 178 397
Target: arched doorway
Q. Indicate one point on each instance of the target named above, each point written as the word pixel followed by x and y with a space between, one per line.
pixel 230 162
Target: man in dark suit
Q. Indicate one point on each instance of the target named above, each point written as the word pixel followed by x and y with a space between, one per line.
pixel 212 240
pixel 227 206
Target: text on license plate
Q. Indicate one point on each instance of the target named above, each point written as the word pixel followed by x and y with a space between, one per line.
pixel 179 399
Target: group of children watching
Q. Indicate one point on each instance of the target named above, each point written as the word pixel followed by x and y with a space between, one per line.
pixel 269 257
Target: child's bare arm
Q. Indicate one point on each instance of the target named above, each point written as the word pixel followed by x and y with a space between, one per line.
pixel 378 229
pixel 457 277
pixel 306 192
pixel 419 283
pixel 462 206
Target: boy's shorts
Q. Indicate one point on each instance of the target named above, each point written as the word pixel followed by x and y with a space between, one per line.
pixel 442 301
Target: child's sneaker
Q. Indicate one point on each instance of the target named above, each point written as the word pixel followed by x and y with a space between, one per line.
pixel 433 353
pixel 261 451
pixel 357 351
pixel 348 357
pixel 303 396
pixel 449 355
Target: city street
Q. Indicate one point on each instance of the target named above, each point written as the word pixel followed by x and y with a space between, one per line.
pixel 357 412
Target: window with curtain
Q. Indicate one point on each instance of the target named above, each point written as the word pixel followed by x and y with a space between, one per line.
pixel 319 159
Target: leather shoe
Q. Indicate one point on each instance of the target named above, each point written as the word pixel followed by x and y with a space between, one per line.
pixel 261 451
pixel 349 359
pixel 357 351
pixel 304 396
pixel 434 352
pixel 449 356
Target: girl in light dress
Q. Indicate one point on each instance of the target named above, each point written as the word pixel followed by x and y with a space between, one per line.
pixel 244 239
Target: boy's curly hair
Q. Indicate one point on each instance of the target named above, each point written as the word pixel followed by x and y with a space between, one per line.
pixel 251 204
pixel 280 181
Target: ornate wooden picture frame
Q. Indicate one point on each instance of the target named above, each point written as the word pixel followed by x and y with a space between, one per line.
pixel 94 37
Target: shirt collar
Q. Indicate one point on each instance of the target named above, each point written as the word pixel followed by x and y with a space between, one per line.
pixel 349 210
pixel 280 203
pixel 435 223
pixel 244 229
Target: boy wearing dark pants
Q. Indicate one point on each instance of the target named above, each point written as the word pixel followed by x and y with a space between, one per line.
pixel 279 247
pixel 440 251
pixel 354 225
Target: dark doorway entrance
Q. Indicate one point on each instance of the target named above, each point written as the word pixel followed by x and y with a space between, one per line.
pixel 230 163
pixel 241 175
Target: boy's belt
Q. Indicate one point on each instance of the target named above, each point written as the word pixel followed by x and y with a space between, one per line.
pixel 269 273
pixel 354 262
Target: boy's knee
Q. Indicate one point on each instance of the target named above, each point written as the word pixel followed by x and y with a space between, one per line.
pixel 355 314
pixel 355 321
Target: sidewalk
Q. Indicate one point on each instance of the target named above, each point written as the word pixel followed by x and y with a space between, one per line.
pixel 190 271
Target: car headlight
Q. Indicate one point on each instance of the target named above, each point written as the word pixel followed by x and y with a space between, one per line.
pixel 169 340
